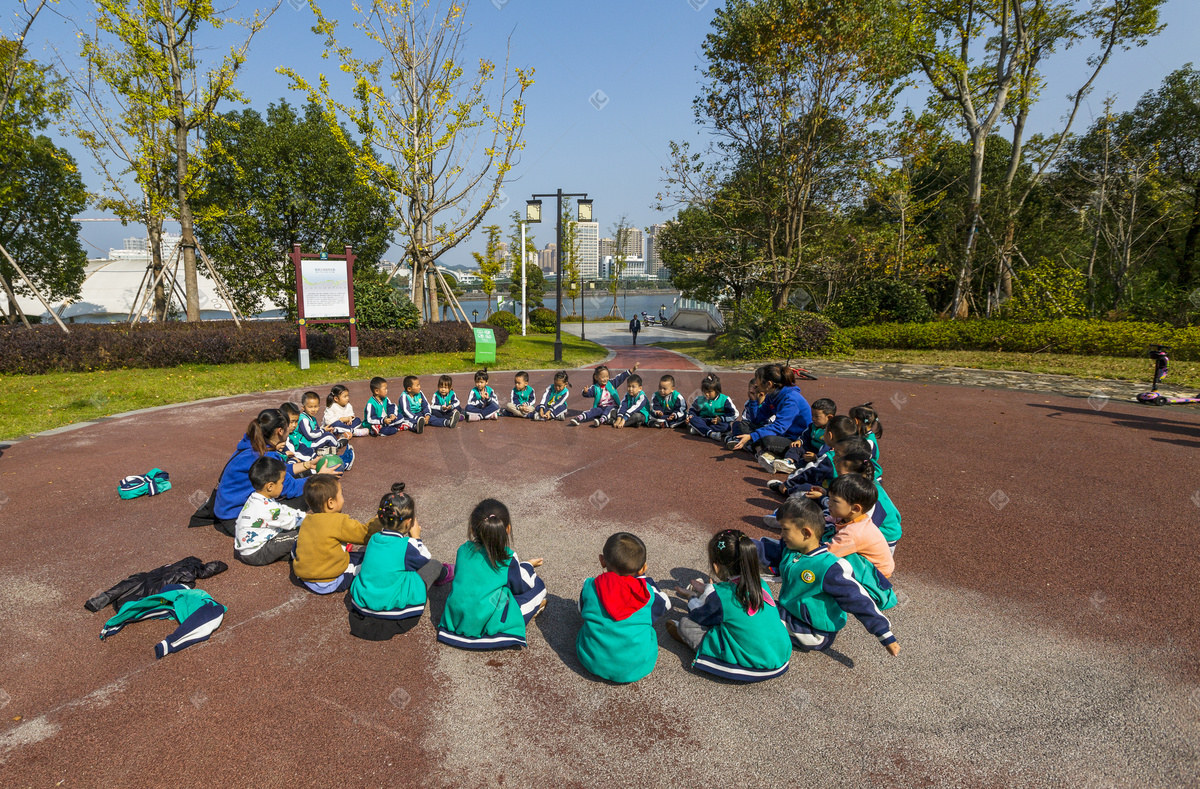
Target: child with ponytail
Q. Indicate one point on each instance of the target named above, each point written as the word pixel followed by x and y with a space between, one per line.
pixel 494 595
pixel 732 622
pixel 339 417
pixel 866 419
pixel 388 595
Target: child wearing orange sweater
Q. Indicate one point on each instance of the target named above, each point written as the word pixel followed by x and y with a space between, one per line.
pixel 851 497
pixel 322 564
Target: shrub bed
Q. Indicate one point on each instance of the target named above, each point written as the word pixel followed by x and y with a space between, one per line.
pixel 110 346
pixel 786 333
pixel 1084 337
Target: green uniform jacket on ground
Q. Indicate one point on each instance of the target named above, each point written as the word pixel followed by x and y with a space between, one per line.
pixel 757 642
pixel 622 651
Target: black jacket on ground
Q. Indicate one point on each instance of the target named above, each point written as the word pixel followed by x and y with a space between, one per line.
pixel 135 587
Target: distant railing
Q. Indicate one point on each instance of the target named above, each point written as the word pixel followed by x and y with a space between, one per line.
pixel 684 303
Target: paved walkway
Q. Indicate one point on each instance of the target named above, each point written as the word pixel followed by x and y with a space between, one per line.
pixel 1032 654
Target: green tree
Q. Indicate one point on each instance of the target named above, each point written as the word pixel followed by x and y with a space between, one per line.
pixel 277 181
pixel 449 136
pixel 489 264
pixel 145 52
pixel 535 288
pixel 44 190
pixel 40 186
pixel 792 91
pixel 621 232
pixel 568 259
pixel 982 58
pixel 705 259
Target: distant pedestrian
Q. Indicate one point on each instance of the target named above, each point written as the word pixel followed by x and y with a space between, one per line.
pixel 635 326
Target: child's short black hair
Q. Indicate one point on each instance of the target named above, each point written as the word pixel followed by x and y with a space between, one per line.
pixel 625 553
pixel 309 397
pixel 377 382
pixel 667 379
pixel 855 489
pixel 562 377
pixel 711 383
pixel 840 428
pixel 802 511
pixel 634 379
pixel 825 406
pixel 409 380
pixel 481 375
pixel 319 489
pixel 447 380
pixel 854 454
pixel 266 470
pixel 521 376
pixel 290 410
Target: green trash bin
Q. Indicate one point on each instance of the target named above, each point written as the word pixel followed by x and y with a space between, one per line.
pixel 485 346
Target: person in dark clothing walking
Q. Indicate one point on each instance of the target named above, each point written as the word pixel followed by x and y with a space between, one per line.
pixel 635 326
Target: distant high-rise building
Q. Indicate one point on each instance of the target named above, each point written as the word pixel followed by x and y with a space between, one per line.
pixel 548 258
pixel 654 264
pixel 505 261
pixel 635 245
pixel 587 249
pixel 608 247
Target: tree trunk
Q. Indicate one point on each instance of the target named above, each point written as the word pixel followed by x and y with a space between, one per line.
pixel 434 314
pixel 186 223
pixel 1005 290
pixel 154 231
pixel 962 285
pixel 1187 262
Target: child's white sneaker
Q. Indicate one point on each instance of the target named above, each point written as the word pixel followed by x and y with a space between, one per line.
pixel 419 425
pixel 767 461
pixel 452 420
pixel 777 486
pixel 573 422
pixel 693 431
pixel 597 422
pixel 495 415
pixel 474 417
pixel 361 431
pixel 784 466
pixel 771 521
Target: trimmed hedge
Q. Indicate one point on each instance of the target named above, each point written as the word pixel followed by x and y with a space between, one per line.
pixel 113 346
pixel 542 319
pixel 880 301
pixel 1084 337
pixel 505 319
pixel 786 333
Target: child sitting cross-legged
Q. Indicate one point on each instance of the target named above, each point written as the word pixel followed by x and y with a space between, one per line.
pixel 339 416
pixel 667 407
pixel 712 413
pixel 812 441
pixel 523 402
pixel 380 414
pixel 605 397
pixel 754 415
pixel 445 403
pixel 634 409
pixel 323 564
pixel 620 607
pixel 494 594
pixel 819 588
pixel 732 621
pixel 415 411
pixel 482 402
pixel 266 530
pixel 388 595
pixel 554 400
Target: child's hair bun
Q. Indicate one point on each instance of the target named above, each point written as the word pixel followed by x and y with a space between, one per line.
pixel 397 488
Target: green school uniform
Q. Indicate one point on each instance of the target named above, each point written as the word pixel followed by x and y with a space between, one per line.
pixel 712 409
pixel 619 651
pixel 757 641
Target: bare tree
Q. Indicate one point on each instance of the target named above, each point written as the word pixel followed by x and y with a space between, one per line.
pixel 433 136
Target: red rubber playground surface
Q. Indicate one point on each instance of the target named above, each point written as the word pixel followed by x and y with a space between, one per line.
pixel 1049 618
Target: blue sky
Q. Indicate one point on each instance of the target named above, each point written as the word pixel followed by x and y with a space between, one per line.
pixel 642 54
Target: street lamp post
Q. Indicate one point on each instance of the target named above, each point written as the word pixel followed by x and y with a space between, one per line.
pixel 533 214
pixel 475 316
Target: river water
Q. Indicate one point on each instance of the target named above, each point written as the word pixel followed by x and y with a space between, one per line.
pixel 593 305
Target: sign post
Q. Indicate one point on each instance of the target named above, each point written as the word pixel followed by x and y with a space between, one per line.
pixel 324 294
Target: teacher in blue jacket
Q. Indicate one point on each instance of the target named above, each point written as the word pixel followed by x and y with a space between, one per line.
pixel 784 402
pixel 263 436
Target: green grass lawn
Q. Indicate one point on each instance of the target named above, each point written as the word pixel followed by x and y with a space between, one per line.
pixel 32 403
pixel 1184 375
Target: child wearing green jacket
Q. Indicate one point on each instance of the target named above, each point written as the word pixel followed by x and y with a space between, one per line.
pixel 494 595
pixel 620 608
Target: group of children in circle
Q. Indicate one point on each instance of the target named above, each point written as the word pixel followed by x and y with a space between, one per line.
pixel 834 555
